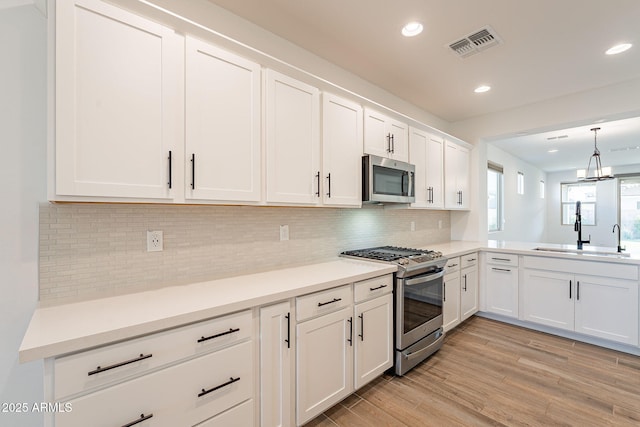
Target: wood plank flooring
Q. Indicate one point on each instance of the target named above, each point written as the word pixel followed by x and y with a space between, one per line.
pixel 490 373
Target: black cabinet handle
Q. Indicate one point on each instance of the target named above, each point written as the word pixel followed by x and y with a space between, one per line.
pixel 578 290
pixel 193 171
pixel 393 144
pixel 350 320
pixel 117 365
pixel 501 259
pixel 500 269
pixel 318 180
pixel 169 170
pixel 230 331
pixel 231 381
pixel 444 291
pixel 388 143
pixel 430 196
pixel 569 289
pixel 361 335
pixel 288 340
pixel 465 283
pixel 142 418
pixel 329 178
pixel 452 265
pixel 377 287
pixel 320 304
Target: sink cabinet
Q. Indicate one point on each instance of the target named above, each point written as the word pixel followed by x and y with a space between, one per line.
pixel 576 296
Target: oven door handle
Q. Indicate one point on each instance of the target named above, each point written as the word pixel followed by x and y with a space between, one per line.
pixel 424 278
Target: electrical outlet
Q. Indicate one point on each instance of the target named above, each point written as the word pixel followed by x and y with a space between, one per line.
pixel 154 241
pixel 284 232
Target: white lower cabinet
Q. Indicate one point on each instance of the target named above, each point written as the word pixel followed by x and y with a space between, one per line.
pixel 341 346
pixel 501 284
pixel 325 362
pixel 277 347
pixel 468 285
pixel 184 394
pixel 238 416
pixel 451 295
pixel 600 306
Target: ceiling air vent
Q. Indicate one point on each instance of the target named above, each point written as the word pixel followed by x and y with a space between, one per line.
pixel 475 42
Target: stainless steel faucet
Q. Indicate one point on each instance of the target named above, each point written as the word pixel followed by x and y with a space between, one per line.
pixel 578 227
pixel 620 248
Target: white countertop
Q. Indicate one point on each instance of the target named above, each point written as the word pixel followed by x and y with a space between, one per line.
pixel 72 327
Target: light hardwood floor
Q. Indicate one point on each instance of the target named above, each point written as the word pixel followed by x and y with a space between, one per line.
pixel 492 373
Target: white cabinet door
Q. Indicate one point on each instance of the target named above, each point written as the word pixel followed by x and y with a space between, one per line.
pixel 426 152
pixel 607 308
pixel 341 151
pixel 385 137
pixel 451 309
pixel 324 362
pixel 468 292
pixel 222 125
pixel 456 171
pixel 276 349
pixel 118 103
pixel 501 290
pixel 547 298
pixel 292 140
pixel 373 338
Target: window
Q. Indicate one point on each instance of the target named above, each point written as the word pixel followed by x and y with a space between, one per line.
pixel 520 183
pixel 541 189
pixel 495 202
pixel 574 192
pixel 630 212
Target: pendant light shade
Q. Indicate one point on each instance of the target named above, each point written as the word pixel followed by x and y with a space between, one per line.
pixel 598 173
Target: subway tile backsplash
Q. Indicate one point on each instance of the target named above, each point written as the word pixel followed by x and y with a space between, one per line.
pixel 96 250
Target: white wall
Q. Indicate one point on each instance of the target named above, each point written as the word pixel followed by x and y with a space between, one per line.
pixel 606 210
pixel 524 214
pixel 22 173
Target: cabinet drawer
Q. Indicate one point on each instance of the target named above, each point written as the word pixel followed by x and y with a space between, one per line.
pixel 323 302
pixel 183 394
pixel 502 259
pixel 469 260
pixel 373 287
pixel 84 371
pixel 453 265
pixel 239 416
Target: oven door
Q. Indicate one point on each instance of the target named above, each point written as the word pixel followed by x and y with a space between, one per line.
pixel 419 302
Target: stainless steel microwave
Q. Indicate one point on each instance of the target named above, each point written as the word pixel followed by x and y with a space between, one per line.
pixel 387 180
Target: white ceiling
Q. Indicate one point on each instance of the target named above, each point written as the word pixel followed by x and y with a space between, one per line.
pixel 550 48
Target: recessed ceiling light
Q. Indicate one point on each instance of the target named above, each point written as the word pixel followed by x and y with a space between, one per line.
pixel 412 29
pixel 619 48
pixel 552 151
pixel 482 89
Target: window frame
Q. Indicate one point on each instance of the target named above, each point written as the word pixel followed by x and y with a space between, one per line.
pixel 498 169
pixel 584 204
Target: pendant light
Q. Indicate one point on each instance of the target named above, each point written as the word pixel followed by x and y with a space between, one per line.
pixel 599 173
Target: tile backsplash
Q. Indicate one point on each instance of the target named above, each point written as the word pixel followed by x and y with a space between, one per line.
pixel 96 250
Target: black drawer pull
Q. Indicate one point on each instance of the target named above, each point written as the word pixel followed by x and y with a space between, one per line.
pixel 501 259
pixel 230 331
pixel 500 269
pixel 142 418
pixel 470 259
pixel 452 265
pixel 377 287
pixel 231 381
pixel 320 304
pixel 288 340
pixel 117 365
pixel 170 181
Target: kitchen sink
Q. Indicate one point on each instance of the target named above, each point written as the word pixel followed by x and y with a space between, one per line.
pixel 584 252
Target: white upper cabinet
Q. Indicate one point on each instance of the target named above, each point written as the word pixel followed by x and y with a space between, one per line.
pixel 385 137
pixel 292 141
pixel 456 176
pixel 341 152
pixel 222 125
pixel 426 152
pixel 118 103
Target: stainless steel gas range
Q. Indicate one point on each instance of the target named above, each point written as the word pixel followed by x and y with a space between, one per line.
pixel 418 300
